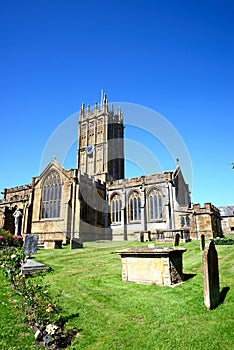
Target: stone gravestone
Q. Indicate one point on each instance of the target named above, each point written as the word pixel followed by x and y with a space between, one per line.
pixel 211 276
pixel 30 244
pixel 202 242
pixel 31 267
pixel 76 243
pixel 177 240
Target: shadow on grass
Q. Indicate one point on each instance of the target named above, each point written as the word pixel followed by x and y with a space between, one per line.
pixel 222 294
pixel 65 319
pixel 187 276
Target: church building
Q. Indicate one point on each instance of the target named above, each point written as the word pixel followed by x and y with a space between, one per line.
pixel 95 201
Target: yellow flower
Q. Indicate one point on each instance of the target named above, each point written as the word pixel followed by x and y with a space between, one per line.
pixel 49 308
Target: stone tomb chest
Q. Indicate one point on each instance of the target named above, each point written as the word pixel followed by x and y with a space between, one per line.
pixel 160 266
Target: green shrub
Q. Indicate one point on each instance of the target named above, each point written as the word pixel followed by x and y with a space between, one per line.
pixel 9 240
pixel 223 241
pixel 11 259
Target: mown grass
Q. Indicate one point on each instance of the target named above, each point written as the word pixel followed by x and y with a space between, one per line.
pixel 118 315
pixel 111 314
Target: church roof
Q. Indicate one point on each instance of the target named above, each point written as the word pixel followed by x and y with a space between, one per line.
pixel 227 210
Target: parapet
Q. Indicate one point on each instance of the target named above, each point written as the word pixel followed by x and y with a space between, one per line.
pixel 207 208
pixel 99 109
pixel 90 179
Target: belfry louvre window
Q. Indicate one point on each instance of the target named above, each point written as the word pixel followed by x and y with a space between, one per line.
pixel 155 205
pixel 116 209
pixel 51 196
pixel 135 207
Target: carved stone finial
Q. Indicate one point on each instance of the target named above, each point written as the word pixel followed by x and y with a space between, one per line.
pixel 82 110
pixel 104 98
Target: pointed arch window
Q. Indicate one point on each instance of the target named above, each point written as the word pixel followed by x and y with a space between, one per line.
pixel 135 207
pixel 116 205
pixel 155 205
pixel 51 196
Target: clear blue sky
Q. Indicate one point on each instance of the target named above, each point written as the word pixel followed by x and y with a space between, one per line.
pixel 175 57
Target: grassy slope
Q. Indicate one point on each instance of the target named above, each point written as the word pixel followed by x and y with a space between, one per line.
pixel 118 315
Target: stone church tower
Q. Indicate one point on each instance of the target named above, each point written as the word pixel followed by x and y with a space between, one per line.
pixel 101 142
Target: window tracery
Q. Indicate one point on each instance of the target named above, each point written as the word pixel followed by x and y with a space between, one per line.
pixel 155 205
pixel 116 209
pixel 135 207
pixel 51 196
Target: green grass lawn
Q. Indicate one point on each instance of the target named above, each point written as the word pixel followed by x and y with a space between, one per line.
pixel 111 314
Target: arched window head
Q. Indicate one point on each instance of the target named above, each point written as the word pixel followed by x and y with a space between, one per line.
pixel 116 205
pixel 155 205
pixel 134 205
pixel 51 196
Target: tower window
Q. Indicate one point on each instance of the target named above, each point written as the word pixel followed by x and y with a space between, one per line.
pixel 155 205
pixel 51 199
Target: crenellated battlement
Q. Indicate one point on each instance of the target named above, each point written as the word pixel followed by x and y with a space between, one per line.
pixel 207 208
pixel 90 179
pixel 100 109
pixel 139 180
pixel 17 188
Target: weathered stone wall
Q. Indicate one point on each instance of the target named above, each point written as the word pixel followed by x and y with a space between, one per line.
pixel 15 197
pixel 92 210
pixel 175 194
pixel 205 220
pixel 181 190
pixel 143 185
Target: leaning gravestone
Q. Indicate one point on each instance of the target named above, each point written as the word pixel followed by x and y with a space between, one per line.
pixel 202 242
pixel 177 240
pixel 30 244
pixel 211 276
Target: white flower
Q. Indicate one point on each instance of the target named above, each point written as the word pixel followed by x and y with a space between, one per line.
pixel 13 256
pixel 51 328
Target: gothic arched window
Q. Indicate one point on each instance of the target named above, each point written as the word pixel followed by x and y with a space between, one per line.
pixel 155 205
pixel 51 196
pixel 116 209
pixel 135 207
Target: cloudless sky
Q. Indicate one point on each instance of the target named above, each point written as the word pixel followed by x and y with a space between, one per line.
pixel 175 57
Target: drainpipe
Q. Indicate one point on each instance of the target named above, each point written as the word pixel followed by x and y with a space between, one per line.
pixel 73 203
pixel 171 201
